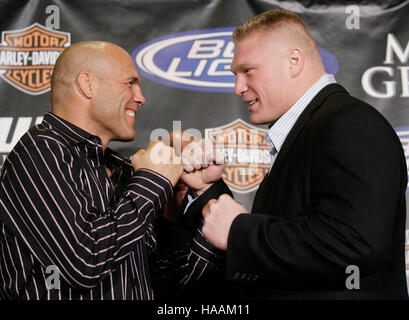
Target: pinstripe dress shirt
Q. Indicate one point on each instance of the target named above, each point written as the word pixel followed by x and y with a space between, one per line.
pixel 59 208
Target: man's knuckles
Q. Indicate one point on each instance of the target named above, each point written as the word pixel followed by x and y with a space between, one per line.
pixel 225 198
pixel 208 207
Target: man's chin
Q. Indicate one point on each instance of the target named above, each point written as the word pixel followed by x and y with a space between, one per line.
pixel 255 120
pixel 125 138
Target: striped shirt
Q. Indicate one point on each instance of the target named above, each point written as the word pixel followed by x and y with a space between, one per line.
pixel 279 131
pixel 58 208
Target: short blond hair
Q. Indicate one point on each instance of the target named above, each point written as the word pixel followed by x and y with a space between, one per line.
pixel 269 20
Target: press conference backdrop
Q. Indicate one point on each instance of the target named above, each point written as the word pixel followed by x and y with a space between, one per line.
pixel 183 51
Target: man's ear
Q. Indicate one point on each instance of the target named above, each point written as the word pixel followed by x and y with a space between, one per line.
pixel 85 84
pixel 296 62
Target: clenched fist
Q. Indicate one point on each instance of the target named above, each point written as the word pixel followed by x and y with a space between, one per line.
pixel 202 165
pixel 218 216
pixel 160 158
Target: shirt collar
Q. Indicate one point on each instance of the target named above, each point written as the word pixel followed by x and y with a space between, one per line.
pixel 74 134
pixel 278 132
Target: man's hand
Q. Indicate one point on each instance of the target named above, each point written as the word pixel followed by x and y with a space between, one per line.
pixel 218 216
pixel 160 158
pixel 202 165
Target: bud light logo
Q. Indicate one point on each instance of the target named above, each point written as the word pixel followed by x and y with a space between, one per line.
pixel 197 60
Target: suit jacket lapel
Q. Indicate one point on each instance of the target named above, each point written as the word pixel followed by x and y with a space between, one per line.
pixel 300 123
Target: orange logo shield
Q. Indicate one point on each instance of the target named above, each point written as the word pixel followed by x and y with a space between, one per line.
pixel 246 152
pixel 27 57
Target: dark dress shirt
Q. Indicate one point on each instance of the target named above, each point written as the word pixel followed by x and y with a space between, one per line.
pixel 59 208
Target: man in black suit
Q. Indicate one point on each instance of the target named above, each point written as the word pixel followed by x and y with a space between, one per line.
pixel 334 200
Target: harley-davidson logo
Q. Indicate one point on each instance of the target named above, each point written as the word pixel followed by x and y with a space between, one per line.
pixel 246 152
pixel 27 57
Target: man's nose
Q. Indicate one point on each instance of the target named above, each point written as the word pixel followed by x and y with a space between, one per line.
pixel 240 86
pixel 138 97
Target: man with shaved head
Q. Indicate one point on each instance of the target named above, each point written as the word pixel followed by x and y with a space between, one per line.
pixel 94 74
pixel 328 220
pixel 75 216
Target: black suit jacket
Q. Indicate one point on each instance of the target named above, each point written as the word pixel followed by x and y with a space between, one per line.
pixel 335 197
